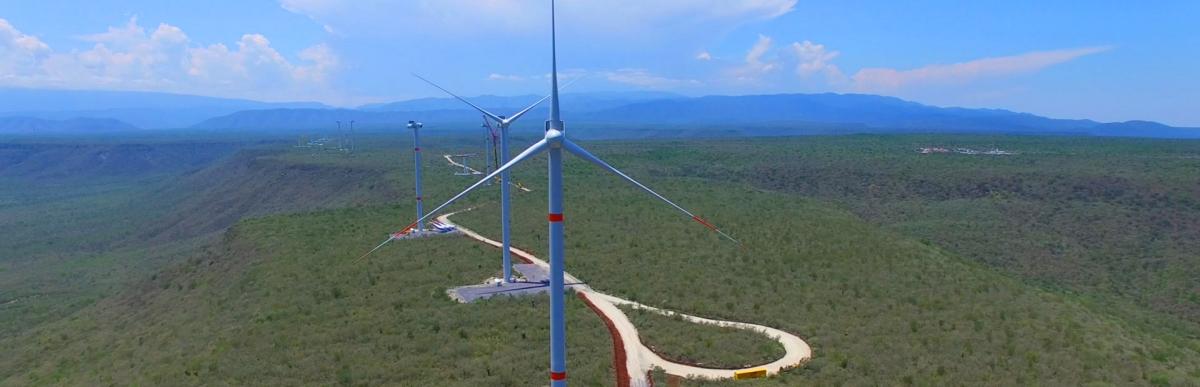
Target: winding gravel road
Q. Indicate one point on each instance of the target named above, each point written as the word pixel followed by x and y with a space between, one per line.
pixel 450 159
pixel 639 359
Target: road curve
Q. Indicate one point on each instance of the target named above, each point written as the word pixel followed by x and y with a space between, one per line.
pixel 638 357
pixel 450 159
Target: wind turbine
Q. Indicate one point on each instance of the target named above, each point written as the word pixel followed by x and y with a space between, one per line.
pixel 416 128
pixel 503 123
pixel 339 135
pixel 554 143
pixel 351 136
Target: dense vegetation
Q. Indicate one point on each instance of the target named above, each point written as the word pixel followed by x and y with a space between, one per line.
pixel 79 221
pixel 70 219
pixel 280 301
pixel 875 305
pixel 888 280
pixel 1112 219
pixel 703 345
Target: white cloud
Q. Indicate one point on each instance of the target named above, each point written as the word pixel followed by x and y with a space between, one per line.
pixel 166 59
pixel 323 62
pixel 760 48
pixel 814 58
pixel 755 66
pixel 504 77
pixel 11 38
pixel 18 52
pixel 704 56
pixel 169 34
pixel 645 79
pixel 884 79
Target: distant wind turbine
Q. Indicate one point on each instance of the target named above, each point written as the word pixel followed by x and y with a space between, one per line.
pixel 553 143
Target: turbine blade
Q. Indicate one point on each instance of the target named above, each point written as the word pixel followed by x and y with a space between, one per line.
pixel 364 256
pixel 555 117
pixel 529 152
pixel 514 117
pixel 582 153
pixel 481 110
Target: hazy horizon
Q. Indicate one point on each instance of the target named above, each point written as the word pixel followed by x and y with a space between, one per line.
pixel 1105 62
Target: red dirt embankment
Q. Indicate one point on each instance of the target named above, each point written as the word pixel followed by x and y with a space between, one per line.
pixel 618 344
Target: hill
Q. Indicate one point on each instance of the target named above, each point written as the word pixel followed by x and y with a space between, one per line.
pixel 30 125
pixel 325 120
pixel 583 102
pixel 437 113
pixel 871 113
pixel 624 115
pixel 149 110
pixel 279 299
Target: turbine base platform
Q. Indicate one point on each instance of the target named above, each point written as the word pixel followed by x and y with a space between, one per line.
pixel 471 293
pixel 534 280
pixel 435 229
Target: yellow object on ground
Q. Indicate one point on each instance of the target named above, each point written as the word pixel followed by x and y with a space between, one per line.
pixel 750 374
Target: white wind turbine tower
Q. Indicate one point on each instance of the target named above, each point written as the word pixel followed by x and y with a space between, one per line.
pixel 505 181
pixel 553 143
pixel 416 128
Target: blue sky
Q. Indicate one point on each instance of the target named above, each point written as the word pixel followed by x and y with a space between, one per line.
pixel 1104 60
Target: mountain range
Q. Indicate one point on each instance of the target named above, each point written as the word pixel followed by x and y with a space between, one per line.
pixel 606 115
pixel 71 125
pixel 147 110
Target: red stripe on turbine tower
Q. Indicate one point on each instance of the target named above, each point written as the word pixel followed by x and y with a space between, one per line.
pixel 555 217
pixel 558 376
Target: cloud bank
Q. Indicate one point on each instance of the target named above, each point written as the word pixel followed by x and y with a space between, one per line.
pixel 884 79
pixel 165 59
pixel 815 65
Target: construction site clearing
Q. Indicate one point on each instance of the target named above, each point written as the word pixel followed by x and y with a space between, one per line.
pixel 964 151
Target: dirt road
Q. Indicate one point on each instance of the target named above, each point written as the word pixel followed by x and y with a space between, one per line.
pixel 638 357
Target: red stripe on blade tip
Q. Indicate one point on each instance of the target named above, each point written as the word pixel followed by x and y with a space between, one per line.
pixel 555 217
pixel 558 376
pixel 704 222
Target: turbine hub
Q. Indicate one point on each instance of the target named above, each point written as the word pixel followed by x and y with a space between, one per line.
pixel 554 137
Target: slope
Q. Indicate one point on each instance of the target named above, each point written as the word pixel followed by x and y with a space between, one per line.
pixel 79 221
pixel 876 306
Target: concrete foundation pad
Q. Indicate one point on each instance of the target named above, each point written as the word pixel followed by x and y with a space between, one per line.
pixel 472 293
pixel 534 280
pixel 426 234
